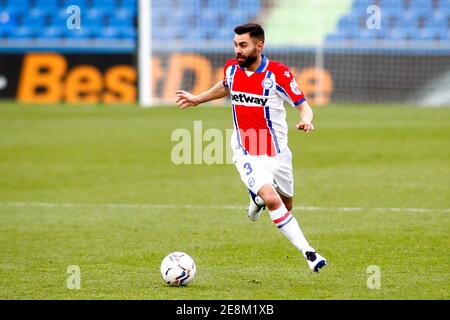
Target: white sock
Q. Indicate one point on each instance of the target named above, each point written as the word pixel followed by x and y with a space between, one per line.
pixel 287 224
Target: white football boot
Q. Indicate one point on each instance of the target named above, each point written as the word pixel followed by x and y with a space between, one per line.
pixel 255 207
pixel 315 260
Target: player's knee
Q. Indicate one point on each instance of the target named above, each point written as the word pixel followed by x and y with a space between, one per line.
pixel 271 198
pixel 273 202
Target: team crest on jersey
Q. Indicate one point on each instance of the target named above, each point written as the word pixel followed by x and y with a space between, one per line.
pixel 294 87
pixel 267 83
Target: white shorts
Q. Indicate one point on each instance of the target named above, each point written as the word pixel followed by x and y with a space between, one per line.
pixel 256 171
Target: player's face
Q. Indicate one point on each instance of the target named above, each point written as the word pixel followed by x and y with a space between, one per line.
pixel 246 49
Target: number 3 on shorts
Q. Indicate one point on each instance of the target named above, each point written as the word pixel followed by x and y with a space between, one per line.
pixel 248 167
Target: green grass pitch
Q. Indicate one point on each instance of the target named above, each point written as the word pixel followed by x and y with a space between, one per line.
pixel 94 186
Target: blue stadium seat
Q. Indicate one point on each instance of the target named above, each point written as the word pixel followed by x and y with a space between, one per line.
pixel 209 19
pixel 113 19
pixel 337 36
pixel 7 23
pixel 19 7
pixel 93 13
pixel 349 21
pixel 349 34
pixel 83 33
pixel 237 16
pixel 219 5
pixel 168 33
pixel 46 4
pixel 80 3
pixel 22 32
pixel 195 34
pixel 424 35
pixel 110 33
pixel 131 5
pixel 360 6
pixel 34 21
pixel 128 33
pixel 254 5
pixel 437 22
pixel 121 22
pixel 421 5
pixel 416 20
pixel 225 34
pixel 444 5
pixel 392 5
pixel 396 35
pixel 105 4
pixel 366 35
pixel 50 33
pixel 408 22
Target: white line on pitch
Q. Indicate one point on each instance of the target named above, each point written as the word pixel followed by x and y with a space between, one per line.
pixel 200 206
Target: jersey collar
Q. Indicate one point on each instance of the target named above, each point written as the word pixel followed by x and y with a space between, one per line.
pixel 263 65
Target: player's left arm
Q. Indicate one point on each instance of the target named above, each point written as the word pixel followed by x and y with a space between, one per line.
pixel 306 117
pixel 291 92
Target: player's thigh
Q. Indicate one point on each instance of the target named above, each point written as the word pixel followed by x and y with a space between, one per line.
pixel 283 175
pixel 253 172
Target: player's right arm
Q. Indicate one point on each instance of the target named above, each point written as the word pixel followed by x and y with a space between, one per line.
pixel 186 99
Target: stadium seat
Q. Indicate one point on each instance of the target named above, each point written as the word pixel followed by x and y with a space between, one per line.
pixel 196 34
pixel 22 32
pixel 437 22
pixel 349 21
pixel 128 33
pixel 7 23
pixel 131 5
pixel 392 5
pixel 225 34
pixel 34 21
pixel 218 5
pixel 46 4
pixel 424 35
pixel 444 5
pixel 80 3
pixel 105 4
pixel 110 19
pixel 443 35
pixel 82 33
pixel 50 33
pixel 408 22
pixel 111 33
pixel 14 5
pixel 396 35
pixel 359 7
pixel 338 36
pixel 421 5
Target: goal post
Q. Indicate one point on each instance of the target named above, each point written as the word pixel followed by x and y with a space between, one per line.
pixel 145 53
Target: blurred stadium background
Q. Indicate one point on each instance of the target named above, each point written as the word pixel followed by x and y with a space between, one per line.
pixel 338 49
pixel 86 176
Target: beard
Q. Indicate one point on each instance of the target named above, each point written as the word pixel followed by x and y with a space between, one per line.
pixel 248 60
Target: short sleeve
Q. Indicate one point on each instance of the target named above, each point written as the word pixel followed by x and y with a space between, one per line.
pixel 225 68
pixel 288 87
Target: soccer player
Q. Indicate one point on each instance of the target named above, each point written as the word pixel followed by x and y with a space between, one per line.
pixel 257 87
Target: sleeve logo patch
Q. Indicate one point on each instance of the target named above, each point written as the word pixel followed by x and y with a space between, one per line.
pixel 294 87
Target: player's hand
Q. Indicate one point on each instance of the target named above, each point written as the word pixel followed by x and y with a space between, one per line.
pixel 185 99
pixel 305 126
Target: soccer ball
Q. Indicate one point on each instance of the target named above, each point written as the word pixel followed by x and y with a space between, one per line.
pixel 178 269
